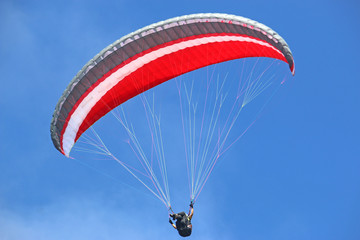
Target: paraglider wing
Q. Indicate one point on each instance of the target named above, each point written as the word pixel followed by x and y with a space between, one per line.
pixel 152 55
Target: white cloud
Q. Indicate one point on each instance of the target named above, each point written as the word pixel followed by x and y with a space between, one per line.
pixel 94 218
pixel 14 28
pixel 77 219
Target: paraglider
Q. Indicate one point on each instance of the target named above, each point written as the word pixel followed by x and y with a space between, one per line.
pixel 147 57
pixel 183 221
pixel 151 56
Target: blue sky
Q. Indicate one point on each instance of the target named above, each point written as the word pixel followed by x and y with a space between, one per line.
pixel 298 174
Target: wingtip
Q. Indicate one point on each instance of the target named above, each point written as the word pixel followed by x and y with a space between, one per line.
pixel 293 70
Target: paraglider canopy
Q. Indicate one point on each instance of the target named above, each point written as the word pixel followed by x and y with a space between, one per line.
pixel 152 55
